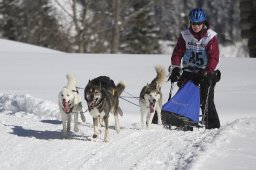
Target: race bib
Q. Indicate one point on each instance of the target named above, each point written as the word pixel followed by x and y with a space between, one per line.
pixel 195 57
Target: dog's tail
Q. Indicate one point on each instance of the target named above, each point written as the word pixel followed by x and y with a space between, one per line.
pixel 160 75
pixel 119 88
pixel 71 81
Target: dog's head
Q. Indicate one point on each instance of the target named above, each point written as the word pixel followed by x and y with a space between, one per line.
pixel 152 96
pixel 66 99
pixel 93 95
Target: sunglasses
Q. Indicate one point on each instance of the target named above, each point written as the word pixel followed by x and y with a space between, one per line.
pixel 196 23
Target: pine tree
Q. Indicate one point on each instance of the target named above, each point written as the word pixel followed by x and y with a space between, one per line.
pixel 9 20
pixel 140 34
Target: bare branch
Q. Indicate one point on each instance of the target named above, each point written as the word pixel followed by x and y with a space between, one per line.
pixel 59 4
pixel 138 12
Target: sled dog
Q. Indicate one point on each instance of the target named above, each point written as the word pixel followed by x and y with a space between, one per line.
pixel 102 97
pixel 150 99
pixel 70 103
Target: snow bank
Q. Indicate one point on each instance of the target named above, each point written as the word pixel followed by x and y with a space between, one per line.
pixel 9 46
pixel 231 148
pixel 239 49
pixel 26 105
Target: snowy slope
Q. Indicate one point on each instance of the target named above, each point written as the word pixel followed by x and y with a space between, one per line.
pixel 30 124
pixel 17 47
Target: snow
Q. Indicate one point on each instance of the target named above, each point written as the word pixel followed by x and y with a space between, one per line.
pixel 31 130
pixel 14 47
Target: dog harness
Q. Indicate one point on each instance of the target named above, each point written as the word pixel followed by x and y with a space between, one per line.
pixel 76 90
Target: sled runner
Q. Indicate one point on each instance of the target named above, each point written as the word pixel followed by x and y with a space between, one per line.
pixel 183 109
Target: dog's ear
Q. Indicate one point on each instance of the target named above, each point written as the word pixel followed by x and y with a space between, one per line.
pixel 89 83
pixel 147 85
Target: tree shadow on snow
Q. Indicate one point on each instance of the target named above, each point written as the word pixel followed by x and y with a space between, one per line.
pixel 45 135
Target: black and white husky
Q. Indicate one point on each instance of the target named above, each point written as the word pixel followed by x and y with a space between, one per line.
pixel 70 103
pixel 102 97
pixel 150 99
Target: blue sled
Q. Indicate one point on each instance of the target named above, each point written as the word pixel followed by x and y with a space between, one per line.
pixel 184 107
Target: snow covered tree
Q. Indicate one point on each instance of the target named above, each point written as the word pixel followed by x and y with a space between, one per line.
pixel 10 20
pixel 32 22
pixel 139 31
pixel 224 18
pixel 116 26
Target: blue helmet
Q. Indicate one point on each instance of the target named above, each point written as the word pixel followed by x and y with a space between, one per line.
pixel 197 15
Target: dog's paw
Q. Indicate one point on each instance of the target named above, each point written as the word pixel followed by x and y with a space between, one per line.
pixel 142 125
pixel 118 130
pixel 76 129
pixel 148 126
pixel 106 136
pixel 160 123
pixel 64 136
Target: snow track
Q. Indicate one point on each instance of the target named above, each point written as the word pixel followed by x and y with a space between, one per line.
pixel 34 141
pixel 156 148
pixel 30 128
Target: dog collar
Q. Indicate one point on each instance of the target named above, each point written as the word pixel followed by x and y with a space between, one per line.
pixel 75 91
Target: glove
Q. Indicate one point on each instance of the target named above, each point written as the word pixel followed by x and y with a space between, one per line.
pixel 175 74
pixel 218 75
pixel 204 75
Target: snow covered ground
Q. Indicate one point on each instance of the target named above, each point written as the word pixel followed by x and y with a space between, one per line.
pixel 30 124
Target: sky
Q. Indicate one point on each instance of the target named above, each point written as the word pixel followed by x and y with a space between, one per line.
pixel 31 129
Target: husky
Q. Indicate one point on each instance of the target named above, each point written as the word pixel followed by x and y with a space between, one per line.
pixel 70 103
pixel 102 97
pixel 150 99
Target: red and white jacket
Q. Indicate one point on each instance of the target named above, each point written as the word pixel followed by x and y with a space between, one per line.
pixel 196 50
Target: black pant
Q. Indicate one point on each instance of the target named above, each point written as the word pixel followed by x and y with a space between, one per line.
pixel 207 105
pixel 207 86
